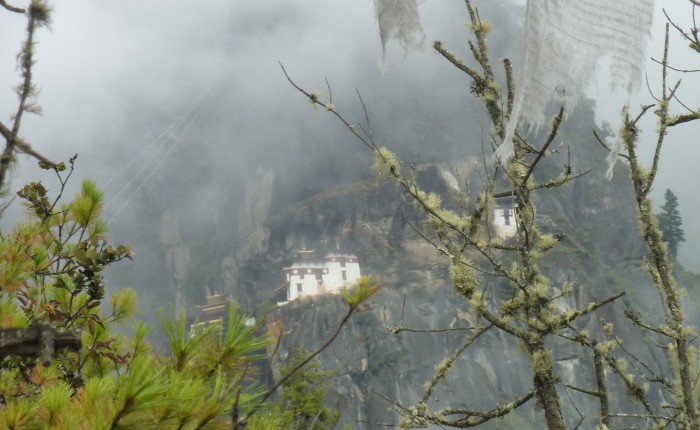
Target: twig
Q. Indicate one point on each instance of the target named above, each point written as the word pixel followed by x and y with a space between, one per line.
pixel 330 92
pixel 581 415
pixel 681 119
pixel 557 182
pixel 675 69
pixel 600 141
pixel 398 329
pixel 602 387
pixel 446 365
pixel 644 110
pixel 476 76
pixel 11 8
pixel 508 66
pixel 364 110
pixel 662 113
pixel 636 320
pixel 683 104
pixel 475 418
pixel 566 319
pixel 26 90
pixel 556 122
pixel 583 390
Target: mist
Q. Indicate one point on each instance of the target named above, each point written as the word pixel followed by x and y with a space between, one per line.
pixel 178 104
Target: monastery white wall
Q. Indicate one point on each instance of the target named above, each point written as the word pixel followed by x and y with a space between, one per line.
pixel 504 222
pixel 338 271
pixel 343 271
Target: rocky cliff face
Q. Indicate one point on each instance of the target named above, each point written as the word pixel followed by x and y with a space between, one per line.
pixel 254 234
pixel 372 367
pixel 177 257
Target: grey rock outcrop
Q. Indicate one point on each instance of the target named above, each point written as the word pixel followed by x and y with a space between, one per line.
pixel 376 372
pixel 177 256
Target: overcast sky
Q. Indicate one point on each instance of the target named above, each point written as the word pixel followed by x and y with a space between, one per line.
pixel 106 63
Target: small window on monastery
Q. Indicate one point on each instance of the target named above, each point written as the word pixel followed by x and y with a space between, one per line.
pixel 299 286
pixel 506 216
pixel 301 275
pixel 318 276
pixel 345 275
pixel 342 263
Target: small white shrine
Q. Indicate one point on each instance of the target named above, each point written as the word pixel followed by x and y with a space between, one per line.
pixel 309 276
pixel 503 218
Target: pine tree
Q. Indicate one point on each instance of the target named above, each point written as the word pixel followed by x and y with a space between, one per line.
pixel 303 396
pixel 51 276
pixel 670 223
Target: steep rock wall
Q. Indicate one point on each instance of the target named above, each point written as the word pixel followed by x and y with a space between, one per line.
pixel 374 370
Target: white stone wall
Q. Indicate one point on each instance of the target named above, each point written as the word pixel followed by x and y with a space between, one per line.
pixel 504 221
pixel 332 279
pixel 343 271
pixel 303 279
pixel 337 272
pixel 352 274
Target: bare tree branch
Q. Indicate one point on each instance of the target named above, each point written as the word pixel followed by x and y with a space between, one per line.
pixel 566 319
pixel 444 367
pixel 475 418
pixel 13 143
pixel 602 387
pixel 11 8
pixel 556 122
pixel 676 69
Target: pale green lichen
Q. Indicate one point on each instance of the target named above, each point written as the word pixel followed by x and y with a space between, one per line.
pixel 510 306
pixel 449 217
pixel 443 367
pixel 482 26
pixel 385 162
pixel 463 279
pixel 477 301
pixel 433 201
pixel 567 289
pixel 541 361
pixel 546 243
pixel 40 11
pixel 608 328
pixel 606 347
pixel 540 288
pixel 537 324
pixel 549 319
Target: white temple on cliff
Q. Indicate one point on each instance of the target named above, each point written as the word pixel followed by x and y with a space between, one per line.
pixel 309 276
pixel 503 219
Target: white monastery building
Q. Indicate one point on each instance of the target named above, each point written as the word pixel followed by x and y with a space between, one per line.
pixel 309 276
pixel 504 218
